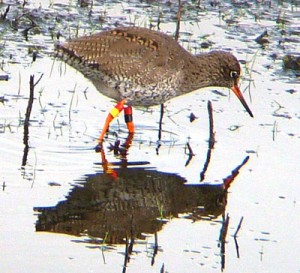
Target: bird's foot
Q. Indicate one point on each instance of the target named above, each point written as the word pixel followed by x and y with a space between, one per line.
pixel 99 147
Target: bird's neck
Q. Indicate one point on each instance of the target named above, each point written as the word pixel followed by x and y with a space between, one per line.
pixel 200 71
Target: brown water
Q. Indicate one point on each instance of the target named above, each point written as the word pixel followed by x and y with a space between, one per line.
pixel 155 209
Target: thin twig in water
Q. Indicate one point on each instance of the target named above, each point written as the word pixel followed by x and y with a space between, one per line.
pixel 103 246
pixel 160 120
pixel 72 98
pixel 190 153
pixel 126 256
pixel 249 71
pixel 38 80
pixel 3 186
pixel 52 66
pixel 31 97
pixel 274 130
pixel 211 126
pixel 155 249
pixel 178 21
pixel 250 74
pixel 211 141
pixel 222 239
pixel 227 181
pixel 238 227
pixel 235 237
pixel 160 127
pixel 27 117
pixel 20 82
pixel 34 170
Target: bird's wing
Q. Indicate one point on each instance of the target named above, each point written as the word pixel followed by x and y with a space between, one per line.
pixel 128 53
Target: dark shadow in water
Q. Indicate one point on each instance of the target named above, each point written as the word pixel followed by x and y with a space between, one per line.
pixel 129 205
pixel 127 200
pixel 135 202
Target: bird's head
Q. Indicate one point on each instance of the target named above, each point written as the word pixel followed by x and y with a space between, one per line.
pixel 230 70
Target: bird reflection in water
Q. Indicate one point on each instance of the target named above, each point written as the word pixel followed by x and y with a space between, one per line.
pixel 126 200
pixel 137 204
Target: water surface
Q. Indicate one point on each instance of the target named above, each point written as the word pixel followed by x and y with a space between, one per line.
pixel 155 209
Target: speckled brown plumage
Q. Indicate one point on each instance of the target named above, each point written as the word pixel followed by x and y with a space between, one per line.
pixel 147 67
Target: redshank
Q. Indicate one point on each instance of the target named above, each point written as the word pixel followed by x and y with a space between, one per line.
pixel 141 67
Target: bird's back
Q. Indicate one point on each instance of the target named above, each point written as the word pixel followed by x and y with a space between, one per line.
pixel 138 64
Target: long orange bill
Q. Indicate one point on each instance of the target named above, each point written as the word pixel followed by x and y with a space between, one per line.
pixel 238 93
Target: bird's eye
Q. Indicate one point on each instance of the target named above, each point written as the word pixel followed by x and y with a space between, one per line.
pixel 233 74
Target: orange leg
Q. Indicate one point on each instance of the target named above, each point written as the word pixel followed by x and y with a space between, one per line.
pixel 113 114
pixel 128 119
pixel 108 167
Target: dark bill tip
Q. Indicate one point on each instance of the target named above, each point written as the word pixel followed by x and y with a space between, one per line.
pixel 239 94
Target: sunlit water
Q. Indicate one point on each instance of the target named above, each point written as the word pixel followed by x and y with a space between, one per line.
pixel 67 117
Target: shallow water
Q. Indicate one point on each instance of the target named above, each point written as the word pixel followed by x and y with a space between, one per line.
pixel 60 212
